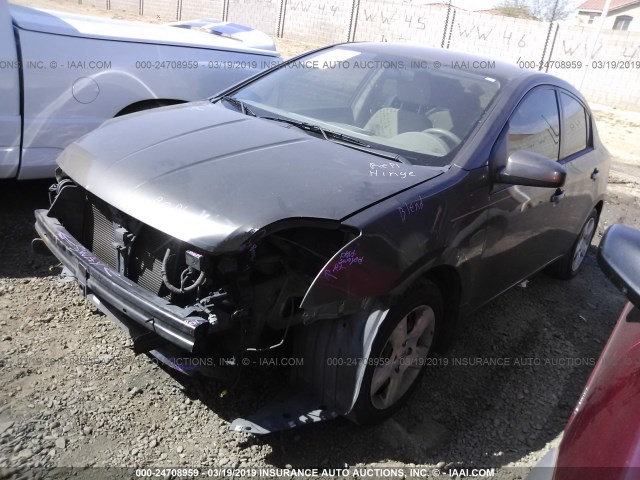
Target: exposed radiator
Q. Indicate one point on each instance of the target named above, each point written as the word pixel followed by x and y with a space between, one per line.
pixel 145 259
pixel 99 233
pixel 145 263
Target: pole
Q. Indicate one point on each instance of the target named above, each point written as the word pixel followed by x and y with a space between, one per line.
pixel 446 25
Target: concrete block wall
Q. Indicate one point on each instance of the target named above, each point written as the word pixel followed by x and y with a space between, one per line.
pixel 398 21
pixel 260 14
pixel 100 4
pixel 160 10
pixel 318 21
pixel 194 9
pixel 517 40
pixel 165 10
pixel 506 38
pixel 610 72
pixel 129 6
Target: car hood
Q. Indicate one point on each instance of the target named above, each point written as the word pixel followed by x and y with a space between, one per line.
pixel 212 177
pixel 62 23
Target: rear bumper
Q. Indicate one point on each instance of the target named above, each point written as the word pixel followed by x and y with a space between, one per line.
pixel 148 311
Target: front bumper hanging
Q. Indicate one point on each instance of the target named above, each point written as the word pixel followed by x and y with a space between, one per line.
pixel 120 294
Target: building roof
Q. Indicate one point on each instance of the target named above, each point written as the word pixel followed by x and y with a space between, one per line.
pixel 598 5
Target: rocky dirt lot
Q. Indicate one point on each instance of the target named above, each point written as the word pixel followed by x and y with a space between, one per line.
pixel 74 395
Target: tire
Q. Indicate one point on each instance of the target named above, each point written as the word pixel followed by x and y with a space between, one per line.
pixel 386 386
pixel 568 266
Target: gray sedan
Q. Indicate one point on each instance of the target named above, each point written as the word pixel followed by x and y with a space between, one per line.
pixel 341 210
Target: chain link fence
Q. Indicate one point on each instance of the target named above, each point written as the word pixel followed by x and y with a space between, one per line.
pixel 605 67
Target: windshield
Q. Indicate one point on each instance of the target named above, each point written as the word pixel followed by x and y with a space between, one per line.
pixel 399 105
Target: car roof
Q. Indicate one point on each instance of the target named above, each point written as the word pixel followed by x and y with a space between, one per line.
pixel 505 72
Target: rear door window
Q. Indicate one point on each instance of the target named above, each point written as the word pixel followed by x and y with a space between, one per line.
pixel 575 134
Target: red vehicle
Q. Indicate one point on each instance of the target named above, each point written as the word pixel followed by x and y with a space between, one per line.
pixel 602 438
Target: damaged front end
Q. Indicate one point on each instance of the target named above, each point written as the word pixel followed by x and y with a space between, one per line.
pixel 179 301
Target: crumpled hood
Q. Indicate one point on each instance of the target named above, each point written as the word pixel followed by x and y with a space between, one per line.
pixel 212 177
pixel 62 23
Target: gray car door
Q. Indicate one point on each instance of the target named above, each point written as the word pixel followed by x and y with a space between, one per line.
pixel 581 161
pixel 523 222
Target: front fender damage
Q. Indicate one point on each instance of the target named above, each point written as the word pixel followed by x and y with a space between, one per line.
pixel 328 382
pixel 342 310
pixel 368 266
pixel 250 301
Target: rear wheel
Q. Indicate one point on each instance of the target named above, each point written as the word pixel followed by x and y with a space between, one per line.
pixel 569 265
pixel 399 354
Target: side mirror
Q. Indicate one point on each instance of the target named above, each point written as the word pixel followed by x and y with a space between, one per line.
pixel 533 170
pixel 619 259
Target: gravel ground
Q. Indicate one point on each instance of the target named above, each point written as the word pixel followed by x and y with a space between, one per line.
pixel 73 394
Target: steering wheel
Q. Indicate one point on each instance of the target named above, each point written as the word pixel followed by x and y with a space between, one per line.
pixel 445 134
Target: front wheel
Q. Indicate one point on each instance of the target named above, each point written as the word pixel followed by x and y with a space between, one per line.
pixel 569 265
pixel 399 354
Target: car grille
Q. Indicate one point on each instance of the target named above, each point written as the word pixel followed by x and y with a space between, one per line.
pixel 144 264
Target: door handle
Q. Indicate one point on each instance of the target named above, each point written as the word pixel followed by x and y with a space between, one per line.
pixel 557 196
pixel 594 174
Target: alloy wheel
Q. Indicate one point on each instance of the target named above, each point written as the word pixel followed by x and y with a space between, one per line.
pixel 402 357
pixel 583 244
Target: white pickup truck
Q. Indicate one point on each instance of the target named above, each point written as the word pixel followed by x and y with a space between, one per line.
pixel 62 75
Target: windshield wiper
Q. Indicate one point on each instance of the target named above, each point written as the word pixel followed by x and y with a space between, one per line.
pixel 308 127
pixel 346 138
pixel 327 134
pixel 238 104
pixel 343 139
pixel 396 157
